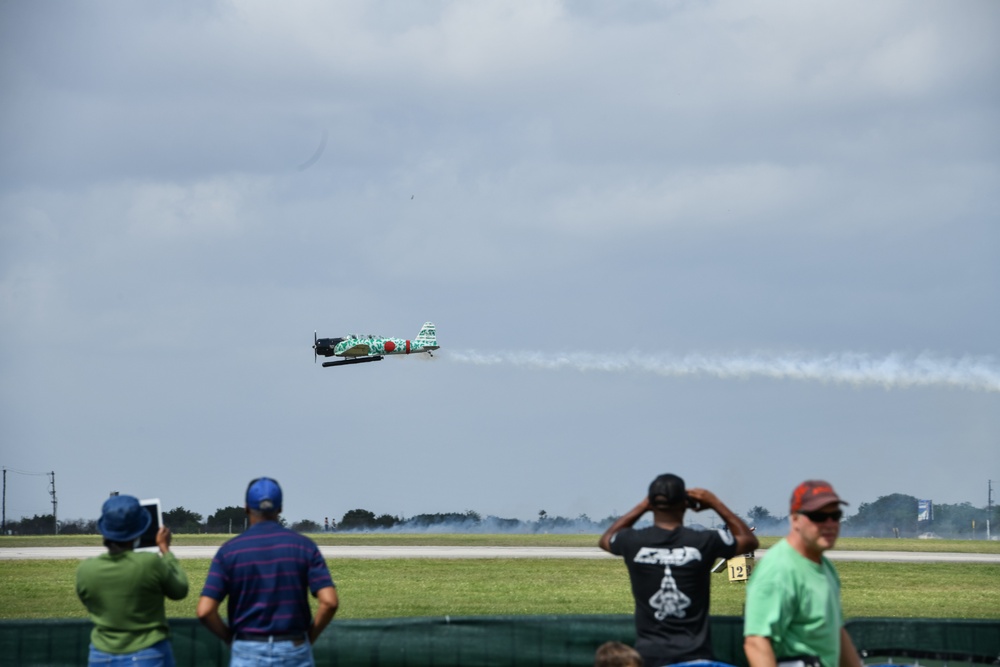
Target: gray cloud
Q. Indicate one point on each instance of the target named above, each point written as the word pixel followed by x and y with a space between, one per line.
pixel 685 180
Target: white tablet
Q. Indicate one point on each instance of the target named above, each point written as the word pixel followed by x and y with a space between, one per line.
pixel 147 541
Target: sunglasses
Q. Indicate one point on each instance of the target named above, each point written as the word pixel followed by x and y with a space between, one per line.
pixel 822 517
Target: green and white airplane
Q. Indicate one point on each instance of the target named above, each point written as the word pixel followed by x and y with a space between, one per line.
pixel 360 348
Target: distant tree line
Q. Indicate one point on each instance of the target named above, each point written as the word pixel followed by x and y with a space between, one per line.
pixel 233 519
pixel 466 522
pixel 894 515
pixel 45 524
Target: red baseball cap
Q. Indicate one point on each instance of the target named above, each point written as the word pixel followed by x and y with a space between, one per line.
pixel 812 494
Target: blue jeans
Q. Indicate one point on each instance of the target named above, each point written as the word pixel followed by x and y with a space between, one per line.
pixel 160 654
pixel 265 654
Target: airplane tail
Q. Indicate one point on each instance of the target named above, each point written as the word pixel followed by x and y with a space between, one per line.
pixel 427 338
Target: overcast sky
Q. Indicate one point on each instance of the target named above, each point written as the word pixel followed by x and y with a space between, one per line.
pixel 746 242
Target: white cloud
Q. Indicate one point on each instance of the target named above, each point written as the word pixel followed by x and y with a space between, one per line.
pixel 719 197
pixel 217 208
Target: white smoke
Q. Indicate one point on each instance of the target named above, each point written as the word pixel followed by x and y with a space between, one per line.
pixel 892 371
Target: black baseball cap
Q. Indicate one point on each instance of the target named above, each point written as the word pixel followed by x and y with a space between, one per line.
pixel 667 489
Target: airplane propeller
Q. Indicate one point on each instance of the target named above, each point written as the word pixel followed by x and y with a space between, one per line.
pixel 315 343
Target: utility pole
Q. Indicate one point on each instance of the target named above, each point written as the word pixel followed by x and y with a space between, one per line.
pixel 4 530
pixel 52 492
pixel 989 506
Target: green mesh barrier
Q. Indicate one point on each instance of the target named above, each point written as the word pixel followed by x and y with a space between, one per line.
pixel 499 641
pixel 918 640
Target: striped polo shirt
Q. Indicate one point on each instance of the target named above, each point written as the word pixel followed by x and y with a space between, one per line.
pixel 265 573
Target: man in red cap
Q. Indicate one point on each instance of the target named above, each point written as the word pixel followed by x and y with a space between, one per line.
pixel 793 614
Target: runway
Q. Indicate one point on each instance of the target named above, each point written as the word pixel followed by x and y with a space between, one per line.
pixel 389 552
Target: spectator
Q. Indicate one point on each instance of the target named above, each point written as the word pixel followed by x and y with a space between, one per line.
pixel 616 654
pixel 267 573
pixel 793 613
pixel 123 590
pixel 670 565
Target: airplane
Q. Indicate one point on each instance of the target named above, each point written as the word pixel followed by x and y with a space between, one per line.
pixel 359 349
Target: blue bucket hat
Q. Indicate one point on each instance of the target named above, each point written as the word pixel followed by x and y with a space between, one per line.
pixel 123 519
pixel 264 494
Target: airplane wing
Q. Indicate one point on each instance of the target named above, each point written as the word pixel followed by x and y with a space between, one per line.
pixel 359 350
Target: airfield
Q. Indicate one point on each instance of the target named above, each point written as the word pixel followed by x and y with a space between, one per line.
pixel 487 552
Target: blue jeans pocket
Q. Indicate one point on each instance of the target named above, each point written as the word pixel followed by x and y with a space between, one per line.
pixel 160 654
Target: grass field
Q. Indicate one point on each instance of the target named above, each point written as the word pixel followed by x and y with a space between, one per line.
pixel 528 540
pixel 431 587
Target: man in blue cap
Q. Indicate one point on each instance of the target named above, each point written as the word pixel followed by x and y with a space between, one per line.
pixel 267 573
pixel 124 590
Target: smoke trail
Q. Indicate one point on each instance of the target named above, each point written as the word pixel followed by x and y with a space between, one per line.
pixel 892 371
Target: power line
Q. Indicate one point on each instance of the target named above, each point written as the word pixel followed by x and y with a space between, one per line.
pixel 26 472
pixel 52 492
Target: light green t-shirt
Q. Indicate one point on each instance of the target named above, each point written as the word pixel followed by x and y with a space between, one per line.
pixel 795 603
pixel 124 595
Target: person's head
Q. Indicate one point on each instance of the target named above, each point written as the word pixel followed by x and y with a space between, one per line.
pixel 668 494
pixel 123 520
pixel 616 654
pixel 263 498
pixel 815 515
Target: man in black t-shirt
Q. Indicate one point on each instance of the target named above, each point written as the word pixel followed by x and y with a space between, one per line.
pixel 670 566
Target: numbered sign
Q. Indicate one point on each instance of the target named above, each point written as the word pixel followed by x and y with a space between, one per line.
pixel 740 567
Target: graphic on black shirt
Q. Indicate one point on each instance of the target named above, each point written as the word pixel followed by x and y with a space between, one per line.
pixel 669 600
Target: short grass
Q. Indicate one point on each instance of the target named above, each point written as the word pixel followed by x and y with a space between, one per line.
pixel 529 540
pixel 447 587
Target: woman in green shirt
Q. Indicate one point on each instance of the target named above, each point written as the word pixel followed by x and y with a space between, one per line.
pixel 124 590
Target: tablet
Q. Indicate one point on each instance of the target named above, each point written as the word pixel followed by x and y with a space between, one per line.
pixel 147 541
